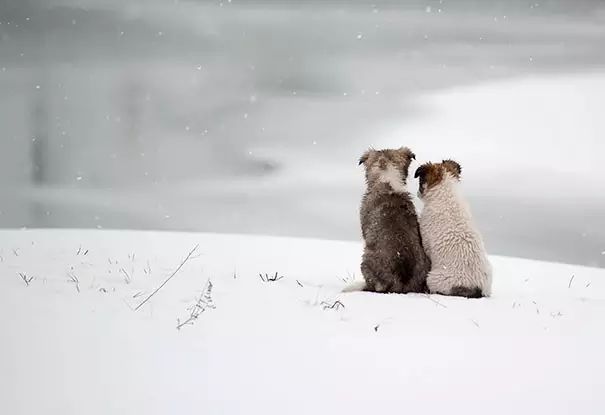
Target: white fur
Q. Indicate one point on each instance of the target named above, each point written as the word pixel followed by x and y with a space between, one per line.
pixel 452 241
pixel 392 176
pixel 358 285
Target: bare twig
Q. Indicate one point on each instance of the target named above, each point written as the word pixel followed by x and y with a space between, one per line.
pixel 570 281
pixel 299 284
pixel 79 250
pixel 16 251
pixel 169 278
pixel 588 284
pixel 475 323
pixel 25 278
pixel 203 302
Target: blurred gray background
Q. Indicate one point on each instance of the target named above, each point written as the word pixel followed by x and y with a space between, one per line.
pixel 248 116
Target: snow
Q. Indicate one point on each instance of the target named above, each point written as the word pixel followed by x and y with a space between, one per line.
pixel 73 344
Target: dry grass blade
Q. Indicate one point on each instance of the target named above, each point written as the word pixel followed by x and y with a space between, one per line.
pixel 428 296
pixel 25 278
pixel 203 303
pixel 270 278
pixel 74 280
pixel 127 277
pixel 336 305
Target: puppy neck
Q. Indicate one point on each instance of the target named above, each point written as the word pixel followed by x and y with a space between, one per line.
pixel 447 187
pixel 392 177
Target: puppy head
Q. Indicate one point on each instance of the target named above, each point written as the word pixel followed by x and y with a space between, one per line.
pixel 387 165
pixel 453 168
pixel 431 174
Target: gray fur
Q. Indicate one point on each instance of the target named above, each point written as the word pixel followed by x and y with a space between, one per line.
pixel 393 259
pixel 467 292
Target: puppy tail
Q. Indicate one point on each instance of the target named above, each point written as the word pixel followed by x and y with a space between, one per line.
pixel 467 292
pixel 359 285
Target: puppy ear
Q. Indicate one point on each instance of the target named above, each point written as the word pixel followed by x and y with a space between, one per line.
pixel 453 167
pixel 364 157
pixel 408 152
pixel 421 171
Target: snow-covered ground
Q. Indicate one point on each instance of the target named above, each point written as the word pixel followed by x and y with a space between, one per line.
pixel 72 342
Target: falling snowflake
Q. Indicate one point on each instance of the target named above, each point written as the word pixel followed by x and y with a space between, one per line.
pixel 428 9
pixel 359 36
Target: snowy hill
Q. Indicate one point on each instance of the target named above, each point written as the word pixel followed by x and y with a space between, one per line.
pixel 72 342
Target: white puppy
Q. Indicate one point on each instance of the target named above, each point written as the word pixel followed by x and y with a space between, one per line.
pixel 459 264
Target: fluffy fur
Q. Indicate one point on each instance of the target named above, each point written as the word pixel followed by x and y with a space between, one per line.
pixel 459 264
pixel 393 258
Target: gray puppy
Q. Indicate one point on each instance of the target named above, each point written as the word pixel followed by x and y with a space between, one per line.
pixel 393 259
